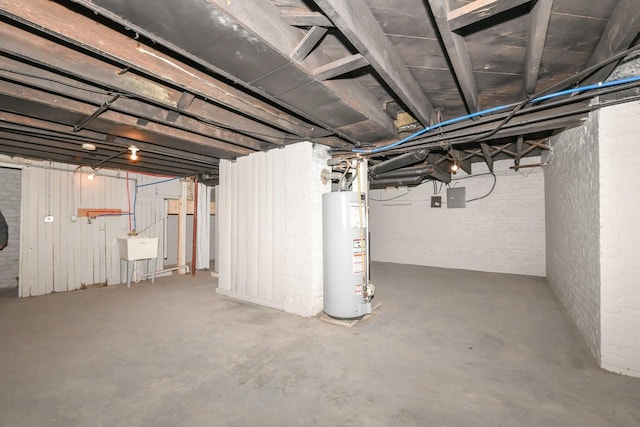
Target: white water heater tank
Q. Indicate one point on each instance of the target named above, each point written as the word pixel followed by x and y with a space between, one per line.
pixel 344 222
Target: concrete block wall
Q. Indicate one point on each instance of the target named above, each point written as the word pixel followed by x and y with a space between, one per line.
pixel 10 196
pixel 502 233
pixel 619 134
pixel 572 234
pixel 269 210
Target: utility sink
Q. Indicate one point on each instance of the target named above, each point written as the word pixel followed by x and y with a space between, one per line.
pixel 135 248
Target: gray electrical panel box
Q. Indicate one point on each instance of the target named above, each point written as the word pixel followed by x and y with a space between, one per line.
pixel 456 197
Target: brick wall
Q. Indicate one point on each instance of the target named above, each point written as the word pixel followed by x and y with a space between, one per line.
pixel 619 134
pixel 501 233
pixel 572 216
pixel 10 206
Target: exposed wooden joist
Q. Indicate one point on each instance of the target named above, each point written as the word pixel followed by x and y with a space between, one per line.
pixel 356 22
pixel 340 67
pixel 19 123
pixel 54 18
pixel 538 24
pixel 464 164
pixel 62 59
pixel 306 19
pixel 183 103
pixel 623 28
pixel 518 155
pixel 11 148
pixel 308 43
pixel 119 124
pixel 63 86
pixel 33 145
pixel 456 51
pixel 479 10
pixel 487 156
pixel 264 20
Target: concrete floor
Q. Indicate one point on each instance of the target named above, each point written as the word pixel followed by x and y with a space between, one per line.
pixel 448 348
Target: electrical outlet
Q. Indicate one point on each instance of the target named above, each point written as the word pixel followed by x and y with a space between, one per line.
pixel 73 218
pixel 48 218
pixel 436 201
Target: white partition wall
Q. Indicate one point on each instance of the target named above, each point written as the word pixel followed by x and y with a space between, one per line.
pixel 270 228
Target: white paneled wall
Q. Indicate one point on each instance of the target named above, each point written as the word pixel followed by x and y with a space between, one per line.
pixel 501 233
pixel 69 253
pixel 269 210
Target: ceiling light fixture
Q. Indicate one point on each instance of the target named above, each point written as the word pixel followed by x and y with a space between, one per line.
pixel 88 146
pixel 134 150
pixel 91 176
pixel 454 168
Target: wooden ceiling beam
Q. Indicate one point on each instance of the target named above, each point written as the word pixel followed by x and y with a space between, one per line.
pixel 54 18
pixel 479 10
pixel 22 124
pixel 456 50
pixel 118 123
pixel 68 88
pixel 264 20
pixel 356 22
pixel 306 19
pixel 518 155
pixel 49 55
pixel 622 29
pixel 33 144
pixel 308 43
pixel 487 156
pixel 341 66
pixel 536 38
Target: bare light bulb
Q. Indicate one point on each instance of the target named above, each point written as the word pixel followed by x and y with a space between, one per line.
pixel 454 168
pixel 134 150
pixel 91 176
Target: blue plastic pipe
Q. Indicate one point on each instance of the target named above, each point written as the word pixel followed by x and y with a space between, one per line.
pixel 495 110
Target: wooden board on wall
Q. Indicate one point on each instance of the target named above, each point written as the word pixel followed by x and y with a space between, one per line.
pixel 174 207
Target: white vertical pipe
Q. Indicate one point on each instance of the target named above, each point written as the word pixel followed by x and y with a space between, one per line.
pixel 182 226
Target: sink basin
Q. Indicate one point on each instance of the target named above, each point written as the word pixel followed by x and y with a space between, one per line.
pixel 134 248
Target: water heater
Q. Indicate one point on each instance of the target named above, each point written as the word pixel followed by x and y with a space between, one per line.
pixel 347 292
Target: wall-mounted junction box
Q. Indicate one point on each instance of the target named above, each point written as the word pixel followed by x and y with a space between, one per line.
pixel 456 197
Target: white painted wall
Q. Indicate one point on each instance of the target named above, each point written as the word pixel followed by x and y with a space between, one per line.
pixel 269 209
pixel 573 236
pixel 66 255
pixel 619 133
pixel 593 238
pixel 502 233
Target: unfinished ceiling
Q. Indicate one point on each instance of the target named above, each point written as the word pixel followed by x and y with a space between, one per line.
pixel 195 81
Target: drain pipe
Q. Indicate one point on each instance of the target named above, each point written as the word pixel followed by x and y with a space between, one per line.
pixel 422 171
pixel 377 184
pixel 399 161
